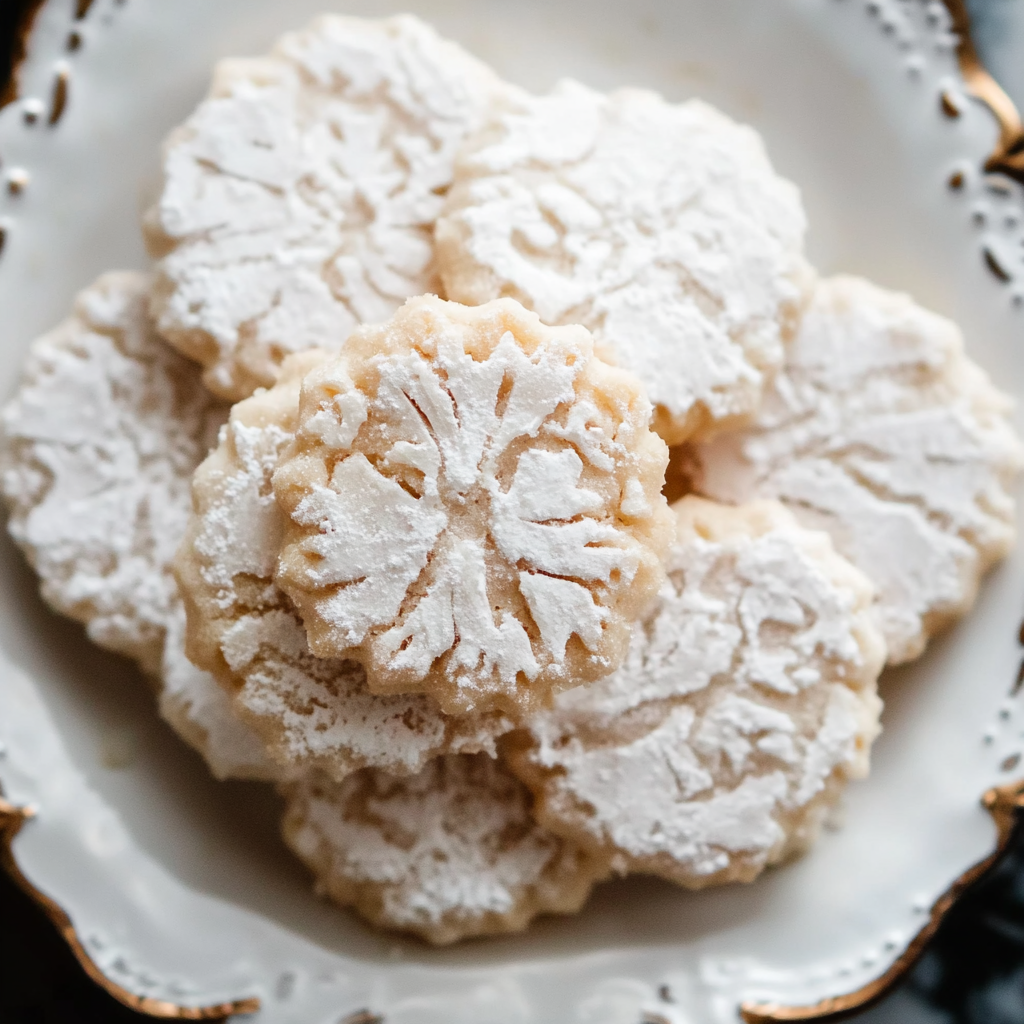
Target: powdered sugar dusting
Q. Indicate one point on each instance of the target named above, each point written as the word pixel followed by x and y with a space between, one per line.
pixel 448 853
pixel 300 197
pixel 202 714
pixel 452 509
pixel 883 433
pixel 747 697
pixel 100 442
pixel 312 712
pixel 662 228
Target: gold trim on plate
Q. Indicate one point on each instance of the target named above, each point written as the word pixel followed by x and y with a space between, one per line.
pixel 1008 156
pixel 12 819
pixel 1003 803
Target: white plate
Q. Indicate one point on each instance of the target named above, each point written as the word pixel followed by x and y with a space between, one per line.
pixel 177 885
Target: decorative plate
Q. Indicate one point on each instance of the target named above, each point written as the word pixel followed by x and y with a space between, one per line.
pixel 177 888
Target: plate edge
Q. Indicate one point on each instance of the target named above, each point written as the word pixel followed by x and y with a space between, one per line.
pixel 12 819
pixel 1002 802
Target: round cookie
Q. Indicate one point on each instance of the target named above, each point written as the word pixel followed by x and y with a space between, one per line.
pixel 299 198
pixel 203 715
pixel 446 854
pixel 100 443
pixel 475 506
pixel 660 227
pixel 883 433
pixel 746 702
pixel 311 712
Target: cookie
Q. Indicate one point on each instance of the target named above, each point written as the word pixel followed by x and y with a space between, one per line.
pixel 882 432
pixel 745 704
pixel 300 197
pixel 475 506
pixel 100 443
pixel 312 713
pixel 203 715
pixel 446 854
pixel 660 227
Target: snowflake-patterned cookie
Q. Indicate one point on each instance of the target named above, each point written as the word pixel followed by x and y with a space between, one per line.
pixel 299 199
pixel 475 506
pixel 745 703
pixel 312 712
pixel 100 443
pixel 883 433
pixel 660 227
pixel 446 854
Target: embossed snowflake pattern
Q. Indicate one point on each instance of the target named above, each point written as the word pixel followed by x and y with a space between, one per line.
pixel 475 506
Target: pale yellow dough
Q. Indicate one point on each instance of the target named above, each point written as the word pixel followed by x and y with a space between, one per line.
pixel 446 854
pixel 475 506
pixel 299 198
pixel 312 713
pixel 746 703
pixel 881 431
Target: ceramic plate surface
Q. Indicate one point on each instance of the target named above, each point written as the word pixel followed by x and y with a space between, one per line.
pixel 178 886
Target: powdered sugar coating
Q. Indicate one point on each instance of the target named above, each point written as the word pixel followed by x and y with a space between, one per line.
pixel 660 227
pixel 202 714
pixel 747 700
pixel 475 506
pixel 446 854
pixel 300 197
pixel 312 712
pixel 100 442
pixel 882 432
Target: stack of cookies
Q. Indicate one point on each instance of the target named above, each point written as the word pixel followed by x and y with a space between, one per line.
pixel 410 558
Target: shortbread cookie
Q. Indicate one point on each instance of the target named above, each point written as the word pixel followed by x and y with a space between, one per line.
pixel 299 199
pixel 747 700
pixel 661 227
pixel 446 854
pixel 311 712
pixel 203 715
pixel 475 506
pixel 101 441
pixel 883 433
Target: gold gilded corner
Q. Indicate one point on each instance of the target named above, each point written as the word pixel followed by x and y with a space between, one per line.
pixel 12 820
pixel 1008 156
pixel 1003 803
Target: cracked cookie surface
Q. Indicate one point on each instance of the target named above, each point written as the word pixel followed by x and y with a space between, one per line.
pixel 882 432
pixel 475 506
pixel 745 703
pixel 300 197
pixel 446 854
pixel 660 227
